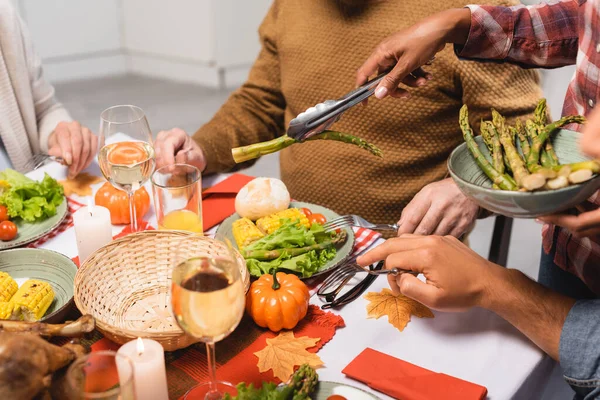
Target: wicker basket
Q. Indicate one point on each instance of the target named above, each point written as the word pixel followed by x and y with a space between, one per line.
pixel 125 285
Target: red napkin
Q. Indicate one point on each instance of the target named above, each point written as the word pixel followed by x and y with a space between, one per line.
pixel 218 202
pixel 402 380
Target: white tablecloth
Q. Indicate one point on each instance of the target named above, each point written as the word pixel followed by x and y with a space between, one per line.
pixel 477 346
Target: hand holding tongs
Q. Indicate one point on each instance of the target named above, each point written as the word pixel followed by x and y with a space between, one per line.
pixel 318 118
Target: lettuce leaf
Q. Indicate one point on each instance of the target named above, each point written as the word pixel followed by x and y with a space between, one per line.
pixel 306 264
pixel 290 234
pixel 28 199
pixel 268 391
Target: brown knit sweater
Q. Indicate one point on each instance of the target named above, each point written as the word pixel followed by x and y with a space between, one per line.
pixel 310 52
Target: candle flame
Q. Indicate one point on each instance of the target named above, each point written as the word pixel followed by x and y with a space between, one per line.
pixel 90 206
pixel 140 346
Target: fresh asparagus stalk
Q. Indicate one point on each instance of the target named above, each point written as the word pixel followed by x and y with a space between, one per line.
pixel 266 255
pixel 490 134
pixel 548 156
pixel 539 140
pixel 592 165
pixel 250 152
pixel 496 177
pixel 304 381
pixel 485 135
pixel 540 114
pixel 517 165
pixel 523 139
pixel 533 132
pixel 500 124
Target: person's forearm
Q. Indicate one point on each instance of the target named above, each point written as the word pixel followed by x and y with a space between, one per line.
pixel 538 312
pixel 458 25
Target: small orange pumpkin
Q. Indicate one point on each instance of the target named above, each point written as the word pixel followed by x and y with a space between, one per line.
pixel 278 301
pixel 117 203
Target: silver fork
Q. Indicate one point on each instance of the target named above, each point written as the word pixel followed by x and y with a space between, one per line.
pixel 355 220
pixel 341 276
pixel 40 159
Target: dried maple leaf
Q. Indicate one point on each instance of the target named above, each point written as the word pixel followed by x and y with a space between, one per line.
pixel 284 352
pixel 81 185
pixel 398 308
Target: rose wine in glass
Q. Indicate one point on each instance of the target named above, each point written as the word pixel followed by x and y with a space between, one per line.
pixel 207 295
pixel 126 154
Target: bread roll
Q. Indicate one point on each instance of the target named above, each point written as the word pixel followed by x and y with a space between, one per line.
pixel 261 197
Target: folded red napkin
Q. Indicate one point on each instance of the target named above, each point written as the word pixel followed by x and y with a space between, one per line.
pixel 218 202
pixel 405 381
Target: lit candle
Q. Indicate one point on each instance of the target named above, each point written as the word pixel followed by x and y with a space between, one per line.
pixel 150 375
pixel 92 229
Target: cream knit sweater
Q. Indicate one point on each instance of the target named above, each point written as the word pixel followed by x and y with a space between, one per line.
pixel 28 110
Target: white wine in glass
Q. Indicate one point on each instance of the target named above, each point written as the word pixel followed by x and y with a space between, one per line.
pixel 126 154
pixel 207 295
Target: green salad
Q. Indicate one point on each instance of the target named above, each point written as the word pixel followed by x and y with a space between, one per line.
pixel 293 247
pixel 28 199
pixel 302 384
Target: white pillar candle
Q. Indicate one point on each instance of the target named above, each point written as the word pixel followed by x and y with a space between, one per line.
pixel 150 374
pixel 92 229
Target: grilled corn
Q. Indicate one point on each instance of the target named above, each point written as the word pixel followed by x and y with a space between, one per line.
pixel 245 232
pixel 271 223
pixel 8 310
pixel 8 286
pixel 34 299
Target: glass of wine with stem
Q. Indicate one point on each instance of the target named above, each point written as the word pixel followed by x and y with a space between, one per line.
pixel 126 154
pixel 208 299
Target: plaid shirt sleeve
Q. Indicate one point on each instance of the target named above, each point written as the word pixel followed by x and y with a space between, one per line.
pixel 545 35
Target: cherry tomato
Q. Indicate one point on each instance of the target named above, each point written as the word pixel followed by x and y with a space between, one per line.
pixel 306 212
pixel 8 230
pixel 336 397
pixel 3 214
pixel 317 218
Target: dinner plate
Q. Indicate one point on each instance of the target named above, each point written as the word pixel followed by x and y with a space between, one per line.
pixel 326 389
pixel 28 232
pixel 225 230
pixel 45 265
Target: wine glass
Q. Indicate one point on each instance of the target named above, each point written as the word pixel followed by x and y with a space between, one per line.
pixel 207 295
pixel 126 154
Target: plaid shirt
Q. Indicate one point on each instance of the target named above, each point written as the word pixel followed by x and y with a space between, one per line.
pixel 550 35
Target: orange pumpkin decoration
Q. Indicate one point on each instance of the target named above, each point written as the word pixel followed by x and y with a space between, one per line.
pixel 277 301
pixel 117 203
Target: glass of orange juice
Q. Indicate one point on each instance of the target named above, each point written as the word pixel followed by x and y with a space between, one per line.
pixel 178 198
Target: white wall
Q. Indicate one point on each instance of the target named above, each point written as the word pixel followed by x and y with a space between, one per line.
pixel 211 42
pixel 76 39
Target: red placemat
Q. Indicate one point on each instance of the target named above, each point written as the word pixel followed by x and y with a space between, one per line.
pixel 236 361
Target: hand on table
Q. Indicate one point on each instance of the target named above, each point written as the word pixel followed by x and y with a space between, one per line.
pixel 457 278
pixel 76 144
pixel 411 48
pixel 175 146
pixel 439 208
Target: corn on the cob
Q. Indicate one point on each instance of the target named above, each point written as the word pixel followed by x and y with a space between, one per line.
pixel 8 310
pixel 34 298
pixel 271 223
pixel 8 286
pixel 245 232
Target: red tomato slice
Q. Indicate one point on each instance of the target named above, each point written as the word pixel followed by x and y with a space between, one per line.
pixel 317 218
pixel 306 212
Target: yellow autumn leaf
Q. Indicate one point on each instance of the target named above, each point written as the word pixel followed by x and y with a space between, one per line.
pixel 397 308
pixel 284 352
pixel 81 185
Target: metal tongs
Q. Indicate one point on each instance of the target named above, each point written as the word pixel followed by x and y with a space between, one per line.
pixel 317 118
